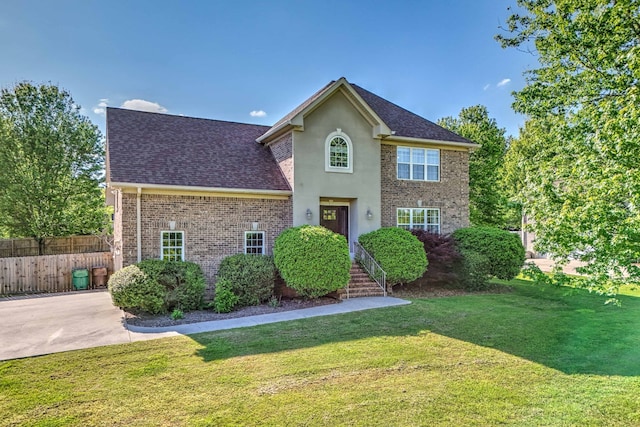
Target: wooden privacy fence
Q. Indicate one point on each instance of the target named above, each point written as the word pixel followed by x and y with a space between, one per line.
pixel 53 246
pixel 47 273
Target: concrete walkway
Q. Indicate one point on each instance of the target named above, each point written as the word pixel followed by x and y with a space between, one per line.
pixel 346 306
pixel 40 325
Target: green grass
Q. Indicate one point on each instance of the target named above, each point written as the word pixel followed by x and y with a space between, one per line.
pixel 534 356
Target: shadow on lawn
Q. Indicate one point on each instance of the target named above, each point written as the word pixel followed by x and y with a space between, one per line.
pixel 574 333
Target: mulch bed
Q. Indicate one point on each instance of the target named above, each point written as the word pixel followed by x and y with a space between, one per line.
pixel 150 320
pixel 417 289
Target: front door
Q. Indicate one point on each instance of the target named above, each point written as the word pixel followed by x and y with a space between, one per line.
pixel 336 219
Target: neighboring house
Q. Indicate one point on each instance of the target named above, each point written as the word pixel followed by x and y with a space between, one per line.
pixel 200 190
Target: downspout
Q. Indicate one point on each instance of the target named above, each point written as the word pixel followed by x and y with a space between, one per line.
pixel 138 225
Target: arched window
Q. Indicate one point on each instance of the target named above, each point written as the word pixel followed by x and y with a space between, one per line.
pixel 339 152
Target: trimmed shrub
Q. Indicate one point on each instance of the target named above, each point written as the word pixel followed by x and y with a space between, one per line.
pixel 474 271
pixel 182 281
pixel 400 254
pixel 252 277
pixel 442 255
pixel 132 288
pixel 225 299
pixel 312 260
pixel 488 252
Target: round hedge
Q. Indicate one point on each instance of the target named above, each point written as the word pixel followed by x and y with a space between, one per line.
pixel 182 281
pixel 252 277
pixel 158 286
pixel 312 260
pixel 132 288
pixel 400 254
pixel 494 252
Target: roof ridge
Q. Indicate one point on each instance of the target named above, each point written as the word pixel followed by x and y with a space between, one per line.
pixel 303 105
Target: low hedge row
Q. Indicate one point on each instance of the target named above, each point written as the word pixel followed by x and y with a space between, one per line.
pixel 158 286
pixel 472 256
pixel 250 277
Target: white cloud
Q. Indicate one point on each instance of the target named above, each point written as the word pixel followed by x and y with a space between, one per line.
pixel 142 105
pixel 487 86
pixel 101 107
pixel 258 113
pixel 503 82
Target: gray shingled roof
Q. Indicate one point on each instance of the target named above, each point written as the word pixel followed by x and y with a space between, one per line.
pixel 151 148
pixel 404 122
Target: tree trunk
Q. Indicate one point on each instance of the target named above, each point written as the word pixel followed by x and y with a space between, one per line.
pixel 41 244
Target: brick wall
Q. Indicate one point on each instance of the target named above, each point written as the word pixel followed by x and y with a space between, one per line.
pixel 117 229
pixel 213 226
pixel 282 150
pixel 451 194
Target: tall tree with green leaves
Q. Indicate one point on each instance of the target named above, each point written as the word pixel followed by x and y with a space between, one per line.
pixel 487 204
pixel 51 163
pixel 580 151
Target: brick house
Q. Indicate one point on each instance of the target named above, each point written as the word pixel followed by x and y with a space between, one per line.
pixel 347 159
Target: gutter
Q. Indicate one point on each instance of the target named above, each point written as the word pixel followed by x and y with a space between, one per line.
pixel 468 145
pixel 140 187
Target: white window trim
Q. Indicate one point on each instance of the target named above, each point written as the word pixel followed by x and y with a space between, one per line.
pixel 264 241
pixel 426 216
pixel 327 153
pixel 162 243
pixel 426 164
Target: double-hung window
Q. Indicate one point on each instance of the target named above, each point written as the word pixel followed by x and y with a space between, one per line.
pixel 254 242
pixel 172 245
pixel 421 218
pixel 418 164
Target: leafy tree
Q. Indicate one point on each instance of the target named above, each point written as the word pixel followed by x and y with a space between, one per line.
pixel 578 155
pixel 51 158
pixel 487 203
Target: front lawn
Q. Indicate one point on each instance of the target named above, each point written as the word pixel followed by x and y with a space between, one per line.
pixel 533 356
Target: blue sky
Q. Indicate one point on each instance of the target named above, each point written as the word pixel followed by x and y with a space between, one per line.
pixel 226 59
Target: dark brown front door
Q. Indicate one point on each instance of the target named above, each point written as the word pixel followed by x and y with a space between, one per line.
pixel 336 219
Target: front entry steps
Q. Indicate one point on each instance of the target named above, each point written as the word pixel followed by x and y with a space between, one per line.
pixel 360 285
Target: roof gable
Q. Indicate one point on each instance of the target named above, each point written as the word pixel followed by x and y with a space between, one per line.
pixel 388 119
pixel 295 119
pixel 161 149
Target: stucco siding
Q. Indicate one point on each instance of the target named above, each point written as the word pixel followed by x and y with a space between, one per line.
pixel 450 195
pixel 313 182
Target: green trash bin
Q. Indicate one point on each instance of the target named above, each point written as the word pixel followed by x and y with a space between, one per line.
pixel 80 279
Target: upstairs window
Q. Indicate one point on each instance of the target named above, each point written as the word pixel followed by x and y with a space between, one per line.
pixel 338 152
pixel 172 245
pixel 418 164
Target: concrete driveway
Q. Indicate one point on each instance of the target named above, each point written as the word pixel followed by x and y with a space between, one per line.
pixel 48 324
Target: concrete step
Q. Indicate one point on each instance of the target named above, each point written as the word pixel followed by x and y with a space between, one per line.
pixel 360 294
pixel 360 284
